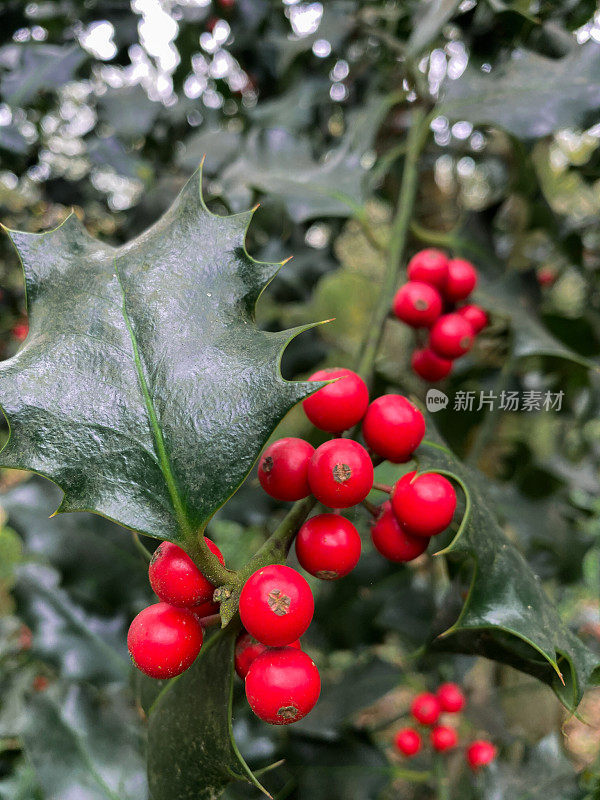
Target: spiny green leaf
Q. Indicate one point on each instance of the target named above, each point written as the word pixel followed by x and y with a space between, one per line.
pixel 507 615
pixel 191 752
pixel 145 389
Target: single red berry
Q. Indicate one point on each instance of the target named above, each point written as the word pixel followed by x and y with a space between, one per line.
pixel 164 641
pixel 424 504
pixel 461 279
pixel 227 4
pixel 479 753
pixel 443 738
pixel 546 276
pixel 425 708
pixel 475 316
pixel 393 428
pixel 40 683
pixel 20 331
pixel 392 541
pixel 451 697
pixel 210 23
pixel 340 405
pixel 282 685
pixel 283 469
pixel 451 336
pixel 429 266
pixel 176 579
pixel 340 473
pixel 417 304
pixel 429 366
pixel 276 605
pixel 408 742
pixel 328 546
pixel 247 649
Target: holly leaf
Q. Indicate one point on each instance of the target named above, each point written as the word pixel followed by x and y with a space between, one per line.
pixel 40 67
pixel 191 751
pixel 145 389
pixel 531 96
pixel 506 615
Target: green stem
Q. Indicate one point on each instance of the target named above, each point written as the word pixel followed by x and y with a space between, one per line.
pixel 442 781
pixel 277 546
pixel 400 226
pixel 140 547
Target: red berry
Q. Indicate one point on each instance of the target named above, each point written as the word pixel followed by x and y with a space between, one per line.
pixel 392 541
pixel 25 639
pixel 429 366
pixel 282 685
pixel 424 504
pixel 461 279
pixel 164 641
pixel 429 266
pixel 340 473
pixel 340 405
pixel 407 742
pixel 20 331
pixel 546 276
pixel 425 708
pixel 276 605
pixel 475 316
pixel 283 469
pixel 451 698
pixel 40 683
pixel 247 649
pixel 328 546
pixel 176 579
pixel 443 738
pixel 417 304
pixel 393 427
pixel 451 336
pixel 479 753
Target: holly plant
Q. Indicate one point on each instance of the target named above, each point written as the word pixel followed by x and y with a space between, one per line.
pixel 143 385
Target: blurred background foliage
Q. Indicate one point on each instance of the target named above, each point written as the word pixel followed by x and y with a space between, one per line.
pixel 107 107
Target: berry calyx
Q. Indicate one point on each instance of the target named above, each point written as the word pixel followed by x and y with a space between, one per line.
pixel 417 304
pixel 393 428
pixel 475 316
pixel 328 546
pixel 340 473
pixel 451 336
pixel 451 697
pixel 283 469
pixel 443 738
pixel 276 605
pixel 340 405
pixel 461 279
pixel 282 685
pixel 479 753
pixel 164 641
pixel 176 579
pixel 247 649
pixel 429 366
pixel 429 266
pixel 392 541
pixel 424 504
pixel 408 742
pixel 425 708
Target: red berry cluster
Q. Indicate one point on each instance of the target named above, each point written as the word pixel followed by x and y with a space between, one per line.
pixel 165 638
pixel 340 473
pixel 436 284
pixel 426 709
pixel 281 681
